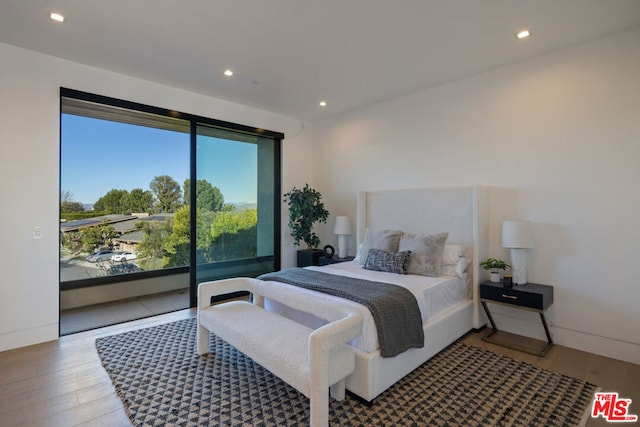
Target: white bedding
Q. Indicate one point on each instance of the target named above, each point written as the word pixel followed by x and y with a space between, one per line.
pixel 435 295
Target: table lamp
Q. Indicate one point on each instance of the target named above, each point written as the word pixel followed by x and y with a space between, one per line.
pixel 342 228
pixel 518 236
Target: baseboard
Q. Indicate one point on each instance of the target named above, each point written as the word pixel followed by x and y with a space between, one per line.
pixel 528 324
pixel 603 346
pixel 17 339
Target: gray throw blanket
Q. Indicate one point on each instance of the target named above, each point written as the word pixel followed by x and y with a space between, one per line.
pixel 394 309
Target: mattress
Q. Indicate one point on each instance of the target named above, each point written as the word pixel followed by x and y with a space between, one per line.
pixel 435 296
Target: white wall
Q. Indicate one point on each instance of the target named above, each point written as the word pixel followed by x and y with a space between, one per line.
pixel 561 133
pixel 29 174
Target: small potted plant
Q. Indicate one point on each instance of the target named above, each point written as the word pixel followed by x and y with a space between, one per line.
pixel 305 209
pixel 494 265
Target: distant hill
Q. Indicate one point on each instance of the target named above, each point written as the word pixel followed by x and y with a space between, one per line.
pixel 242 206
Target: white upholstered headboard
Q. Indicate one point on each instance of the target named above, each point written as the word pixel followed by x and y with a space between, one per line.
pixel 460 211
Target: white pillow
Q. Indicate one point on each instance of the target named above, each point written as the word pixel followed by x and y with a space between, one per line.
pixel 384 240
pixel 426 252
pixel 457 269
pixel 451 254
pixel 358 259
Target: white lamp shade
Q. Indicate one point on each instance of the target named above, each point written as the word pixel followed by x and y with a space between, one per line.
pixel 517 234
pixel 343 225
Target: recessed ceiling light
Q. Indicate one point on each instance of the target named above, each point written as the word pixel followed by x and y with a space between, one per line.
pixel 228 73
pixel 56 17
pixel 523 34
pixel 322 103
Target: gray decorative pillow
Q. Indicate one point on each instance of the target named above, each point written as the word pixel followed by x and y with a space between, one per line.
pixel 384 240
pixel 426 252
pixel 390 262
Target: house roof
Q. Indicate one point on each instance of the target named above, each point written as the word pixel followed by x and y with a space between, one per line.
pixel 112 219
pixel 121 223
pixel 133 237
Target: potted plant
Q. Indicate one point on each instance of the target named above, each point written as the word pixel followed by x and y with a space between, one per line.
pixel 494 265
pixel 305 209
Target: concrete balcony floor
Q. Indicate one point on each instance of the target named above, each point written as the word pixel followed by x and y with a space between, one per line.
pixel 98 316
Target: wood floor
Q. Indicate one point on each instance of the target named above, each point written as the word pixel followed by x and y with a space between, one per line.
pixel 608 374
pixel 62 383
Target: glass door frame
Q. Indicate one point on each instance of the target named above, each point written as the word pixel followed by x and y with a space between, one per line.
pixel 277 205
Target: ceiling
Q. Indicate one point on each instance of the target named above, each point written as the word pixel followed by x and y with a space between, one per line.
pixel 288 55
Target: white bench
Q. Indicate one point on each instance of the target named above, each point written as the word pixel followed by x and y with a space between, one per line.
pixel 311 361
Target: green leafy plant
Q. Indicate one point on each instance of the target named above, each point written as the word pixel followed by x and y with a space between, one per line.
pixel 494 265
pixel 305 209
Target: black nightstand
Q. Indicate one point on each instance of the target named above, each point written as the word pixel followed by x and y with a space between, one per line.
pixel 532 296
pixel 323 260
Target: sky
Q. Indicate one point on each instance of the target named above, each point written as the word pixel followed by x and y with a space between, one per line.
pixel 98 156
pixel 231 166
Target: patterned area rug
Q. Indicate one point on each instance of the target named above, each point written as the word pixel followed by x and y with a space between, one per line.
pixel 162 381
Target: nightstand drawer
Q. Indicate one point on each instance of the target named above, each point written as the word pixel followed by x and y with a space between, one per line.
pixel 531 295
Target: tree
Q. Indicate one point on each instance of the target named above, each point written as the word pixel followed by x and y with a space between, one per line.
pixel 98 236
pixel 204 218
pixel 234 235
pixel 114 202
pixel 66 196
pixel 186 191
pixel 70 207
pixel 72 241
pixel 155 233
pixel 67 205
pixel 141 201
pixel 208 197
pixel 229 222
pixel 176 246
pixel 167 193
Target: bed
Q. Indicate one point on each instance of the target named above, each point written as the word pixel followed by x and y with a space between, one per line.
pixel 434 295
pixel 449 304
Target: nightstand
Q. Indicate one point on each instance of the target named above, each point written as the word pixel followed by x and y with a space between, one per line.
pixel 323 260
pixel 532 297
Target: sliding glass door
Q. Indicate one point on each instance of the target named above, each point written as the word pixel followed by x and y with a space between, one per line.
pixel 236 185
pixel 155 201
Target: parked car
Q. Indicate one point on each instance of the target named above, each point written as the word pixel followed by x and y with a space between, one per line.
pixel 99 256
pixel 123 256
